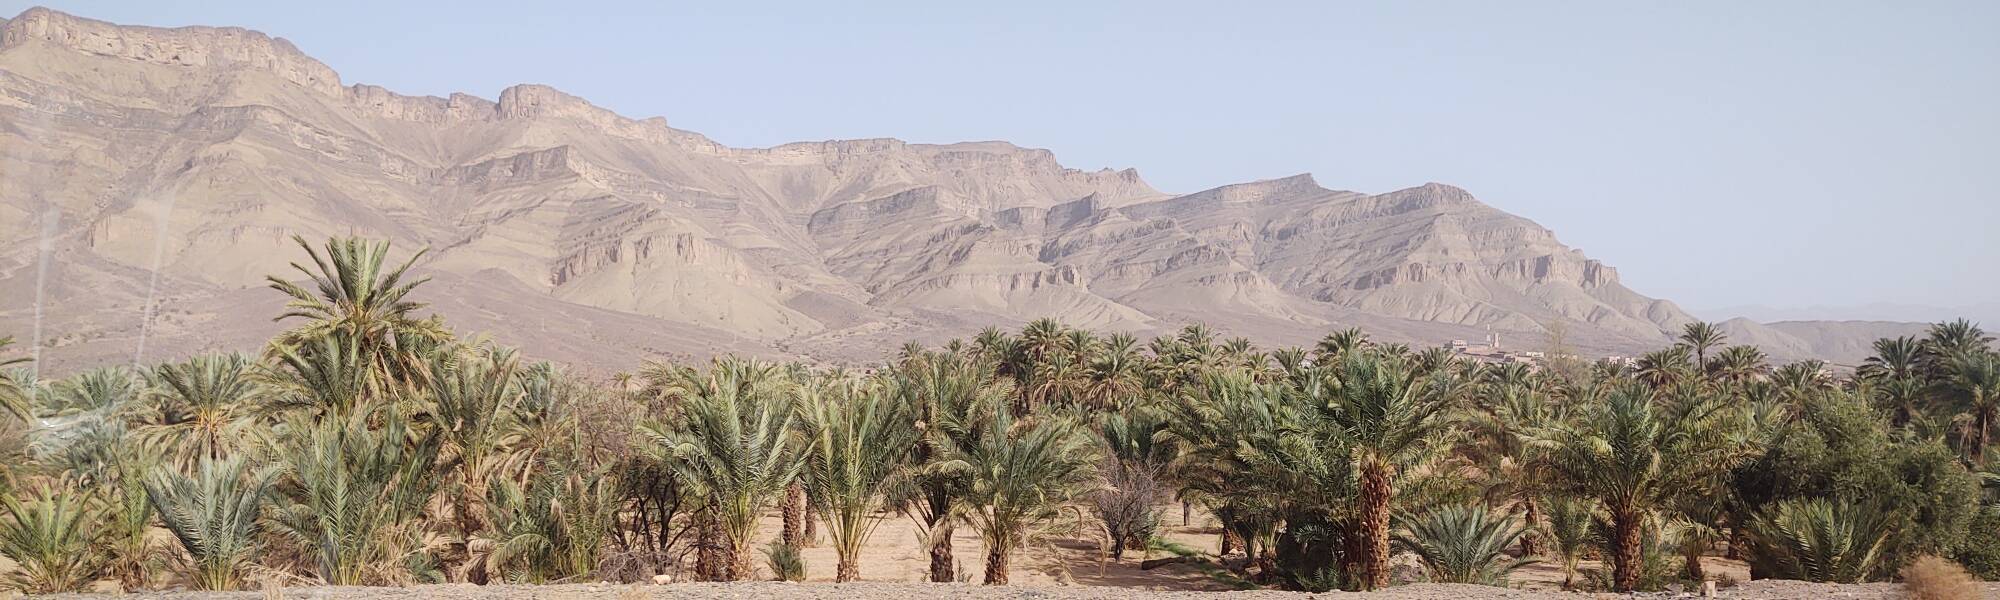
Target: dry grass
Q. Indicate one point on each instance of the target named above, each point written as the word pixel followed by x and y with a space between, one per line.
pixel 1933 578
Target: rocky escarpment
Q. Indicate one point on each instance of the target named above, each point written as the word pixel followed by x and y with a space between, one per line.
pixel 203 149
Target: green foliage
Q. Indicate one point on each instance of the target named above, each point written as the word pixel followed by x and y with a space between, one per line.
pixel 857 441
pixel 554 528
pixel 733 441
pixel 1570 529
pixel 1980 549
pixel 51 532
pixel 1463 544
pixel 1024 476
pixel 353 497
pixel 1821 540
pixel 785 562
pixel 1837 447
pixel 213 515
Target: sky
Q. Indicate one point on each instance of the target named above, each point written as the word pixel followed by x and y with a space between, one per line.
pixel 1770 153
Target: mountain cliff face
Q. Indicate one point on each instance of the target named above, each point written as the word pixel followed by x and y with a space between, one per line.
pixel 196 153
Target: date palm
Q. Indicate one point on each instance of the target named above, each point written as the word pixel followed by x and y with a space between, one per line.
pixel 1739 364
pixel 1024 476
pixel 470 395
pixel 213 515
pixel 1898 357
pixel 1823 540
pixel 348 290
pixel 950 395
pixel 733 440
pixel 1391 418
pixel 1464 544
pixel 1634 456
pixel 856 445
pixel 201 408
pixel 353 495
pixel 1975 377
pixel 50 531
pixel 1569 531
pixel 1701 336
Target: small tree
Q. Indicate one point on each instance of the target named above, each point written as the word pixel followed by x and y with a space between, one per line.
pixel 213 515
pixel 1024 475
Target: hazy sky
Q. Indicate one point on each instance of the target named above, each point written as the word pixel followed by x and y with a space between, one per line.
pixel 1717 153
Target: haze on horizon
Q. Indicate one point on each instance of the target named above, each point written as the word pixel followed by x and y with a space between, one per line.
pixel 1781 154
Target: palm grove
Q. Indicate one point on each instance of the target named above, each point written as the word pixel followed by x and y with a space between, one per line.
pixel 369 444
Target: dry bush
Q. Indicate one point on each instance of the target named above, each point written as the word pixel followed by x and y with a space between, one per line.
pixel 1933 578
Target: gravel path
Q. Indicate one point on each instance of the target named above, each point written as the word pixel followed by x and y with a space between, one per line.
pixel 1758 590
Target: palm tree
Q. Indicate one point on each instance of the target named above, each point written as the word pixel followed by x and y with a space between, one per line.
pixel 50 531
pixel 1339 343
pixel 856 446
pixel 1569 531
pixel 1634 457
pixel 354 493
pixel 1464 544
pixel 1817 539
pixel 1134 467
pixel 1701 336
pixel 1949 340
pixel 552 528
pixel 1666 366
pixel 12 397
pixel 1976 379
pixel 1507 408
pixel 1024 476
pixel 471 394
pixel 213 514
pixel 201 408
pixel 1392 419
pixel 1739 364
pixel 951 394
pixel 733 440
pixel 1894 358
pixel 352 294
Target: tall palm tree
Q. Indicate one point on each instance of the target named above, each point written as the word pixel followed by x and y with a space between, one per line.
pixel 213 514
pixel 1634 456
pixel 951 395
pixel 1702 336
pixel 202 408
pixel 856 445
pixel 1666 366
pixel 1339 343
pixel 733 440
pixel 1392 418
pixel 1024 476
pixel 1949 340
pixel 1976 379
pixel 350 292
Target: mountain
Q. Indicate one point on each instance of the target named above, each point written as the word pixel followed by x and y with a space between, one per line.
pixel 175 165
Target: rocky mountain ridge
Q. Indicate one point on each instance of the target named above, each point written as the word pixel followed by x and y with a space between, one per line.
pixel 196 152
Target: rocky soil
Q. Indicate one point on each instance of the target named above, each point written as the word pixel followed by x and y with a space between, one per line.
pixel 1760 590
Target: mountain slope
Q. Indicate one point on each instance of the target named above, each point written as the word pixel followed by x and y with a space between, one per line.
pixel 196 153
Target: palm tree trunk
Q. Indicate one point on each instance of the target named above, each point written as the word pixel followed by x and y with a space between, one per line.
pixel 708 560
pixel 742 561
pixel 1531 516
pixel 1691 567
pixel 1625 550
pixel 794 515
pixel 941 559
pixel 811 533
pixel 996 564
pixel 1186 508
pixel 847 570
pixel 1374 524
